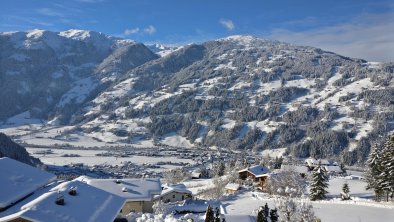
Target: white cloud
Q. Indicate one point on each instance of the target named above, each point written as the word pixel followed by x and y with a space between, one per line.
pixel 369 37
pixel 131 31
pixel 150 30
pixel 227 23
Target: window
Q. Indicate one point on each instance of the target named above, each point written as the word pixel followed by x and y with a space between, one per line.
pixel 183 197
pixel 173 196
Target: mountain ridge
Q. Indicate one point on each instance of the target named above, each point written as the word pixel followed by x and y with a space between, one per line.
pixel 239 92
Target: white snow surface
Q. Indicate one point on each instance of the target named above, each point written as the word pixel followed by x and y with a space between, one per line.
pixel 20 119
pixel 274 152
pixel 88 157
pixel 173 139
pixel 79 92
pixel 358 209
pixel 130 189
pixel 89 205
pixel 17 180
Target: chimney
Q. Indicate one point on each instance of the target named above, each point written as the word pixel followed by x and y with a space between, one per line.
pixel 59 199
pixel 72 191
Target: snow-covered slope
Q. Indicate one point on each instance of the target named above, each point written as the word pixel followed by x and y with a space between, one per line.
pixel 163 50
pixel 43 71
pixel 247 93
pixel 239 92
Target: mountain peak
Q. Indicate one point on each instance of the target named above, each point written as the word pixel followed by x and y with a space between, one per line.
pixel 78 34
pixel 35 33
pixel 242 38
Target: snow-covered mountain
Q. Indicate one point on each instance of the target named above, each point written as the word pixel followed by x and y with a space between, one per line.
pixel 51 72
pixel 239 92
pixel 162 50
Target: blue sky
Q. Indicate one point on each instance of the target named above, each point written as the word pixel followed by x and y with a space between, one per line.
pixel 357 28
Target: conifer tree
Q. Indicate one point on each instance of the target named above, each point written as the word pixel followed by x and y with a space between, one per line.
pixel 387 168
pixel 380 171
pixel 274 215
pixel 345 192
pixel 318 184
pixel 266 210
pixel 261 217
pixel 209 216
pixel 374 171
pixel 217 215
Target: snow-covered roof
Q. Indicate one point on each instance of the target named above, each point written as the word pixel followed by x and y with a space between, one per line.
pixel 179 188
pixel 295 168
pixel 18 180
pixel 232 186
pixel 257 170
pixel 312 161
pixel 130 189
pixel 90 204
pixel 239 217
pixel 335 169
pixel 196 174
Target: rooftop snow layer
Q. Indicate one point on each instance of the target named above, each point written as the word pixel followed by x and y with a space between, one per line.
pixel 256 170
pixel 130 189
pixel 232 186
pixel 179 188
pixel 90 204
pixel 17 180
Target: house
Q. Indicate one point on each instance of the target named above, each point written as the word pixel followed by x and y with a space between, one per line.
pixel 330 166
pixel 257 173
pixel 138 193
pixel 196 175
pixel 333 170
pixel 312 162
pixel 174 193
pixel 70 201
pixel 232 187
pixel 19 180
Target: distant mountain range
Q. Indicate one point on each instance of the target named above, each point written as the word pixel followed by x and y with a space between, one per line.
pixel 238 92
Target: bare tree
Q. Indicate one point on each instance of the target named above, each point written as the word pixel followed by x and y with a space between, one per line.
pixel 175 176
pixel 286 183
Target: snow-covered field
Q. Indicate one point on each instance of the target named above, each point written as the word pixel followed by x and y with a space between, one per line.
pixel 358 209
pixel 339 211
pixel 88 157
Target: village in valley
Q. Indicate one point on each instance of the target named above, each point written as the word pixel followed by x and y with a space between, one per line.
pixel 202 185
pixel 196 111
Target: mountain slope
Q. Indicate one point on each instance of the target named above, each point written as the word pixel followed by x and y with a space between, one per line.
pixel 43 72
pixel 12 150
pixel 239 92
pixel 248 93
